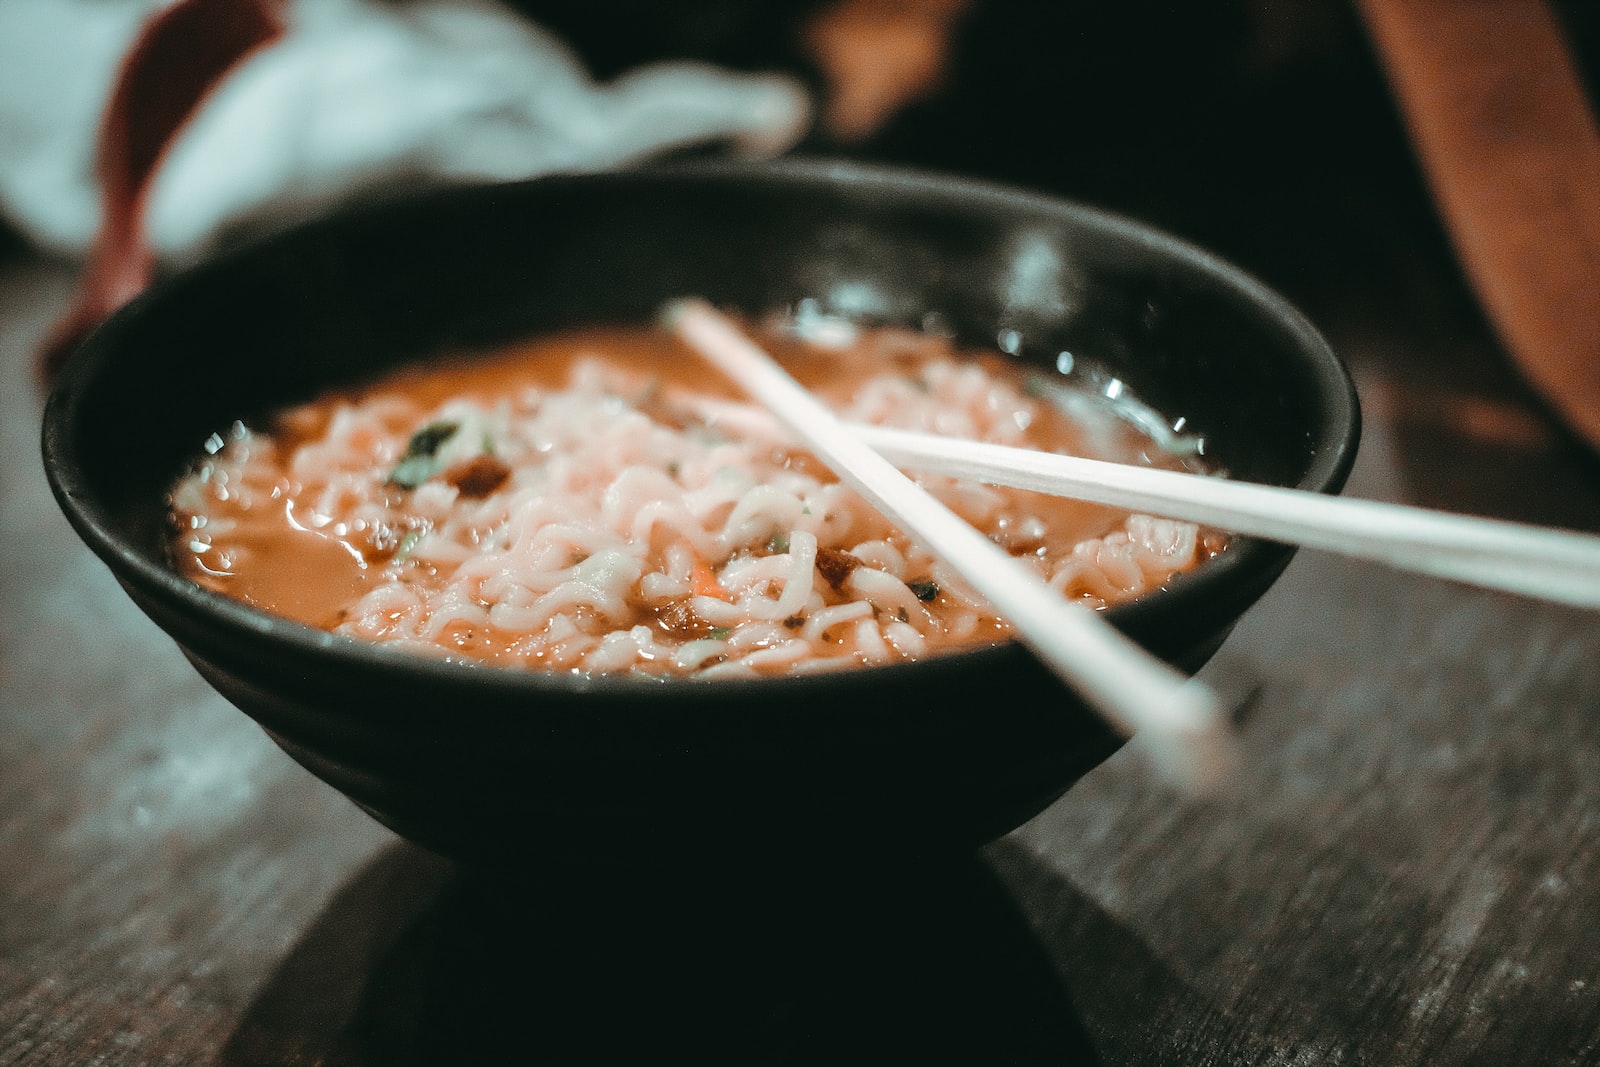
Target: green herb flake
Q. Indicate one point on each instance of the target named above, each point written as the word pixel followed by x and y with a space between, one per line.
pixel 720 633
pixel 427 441
pixel 924 589
pixel 778 543
pixel 407 544
pixel 410 473
pixel 420 461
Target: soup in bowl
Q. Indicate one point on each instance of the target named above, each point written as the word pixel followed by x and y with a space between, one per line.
pixel 422 490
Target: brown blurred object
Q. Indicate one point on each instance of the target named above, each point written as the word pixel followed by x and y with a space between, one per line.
pixel 181 53
pixel 878 56
pixel 1507 140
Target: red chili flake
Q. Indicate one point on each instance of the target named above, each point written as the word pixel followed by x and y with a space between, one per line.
pixel 678 619
pixel 835 565
pixel 478 476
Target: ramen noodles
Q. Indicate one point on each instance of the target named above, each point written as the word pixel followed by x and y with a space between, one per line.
pixel 603 501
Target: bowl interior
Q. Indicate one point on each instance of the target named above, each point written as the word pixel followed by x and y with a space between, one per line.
pixel 458 271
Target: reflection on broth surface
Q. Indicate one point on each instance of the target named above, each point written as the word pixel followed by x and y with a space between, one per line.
pixel 602 501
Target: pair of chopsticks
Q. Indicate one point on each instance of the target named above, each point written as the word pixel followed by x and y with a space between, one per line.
pixel 1135 692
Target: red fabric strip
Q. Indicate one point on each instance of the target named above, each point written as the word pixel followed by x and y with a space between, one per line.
pixel 181 54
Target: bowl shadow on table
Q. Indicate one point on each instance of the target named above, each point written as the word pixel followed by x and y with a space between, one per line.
pixel 416 960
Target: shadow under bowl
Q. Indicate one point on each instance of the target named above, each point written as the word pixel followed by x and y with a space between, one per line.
pixel 504 766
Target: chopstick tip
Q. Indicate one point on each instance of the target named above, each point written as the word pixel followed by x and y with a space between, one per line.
pixel 672 312
pixel 1198 751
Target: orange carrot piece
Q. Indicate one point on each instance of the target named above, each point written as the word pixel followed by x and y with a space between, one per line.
pixel 703 580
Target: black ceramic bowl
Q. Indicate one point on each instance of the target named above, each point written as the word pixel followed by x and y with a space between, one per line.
pixel 485 763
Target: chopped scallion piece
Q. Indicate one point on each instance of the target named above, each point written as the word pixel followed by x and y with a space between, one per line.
pixel 407 544
pixel 420 461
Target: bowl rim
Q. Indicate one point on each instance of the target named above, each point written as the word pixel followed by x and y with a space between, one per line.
pixel 1330 465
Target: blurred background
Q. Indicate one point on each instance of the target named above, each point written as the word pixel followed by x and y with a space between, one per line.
pixel 1264 128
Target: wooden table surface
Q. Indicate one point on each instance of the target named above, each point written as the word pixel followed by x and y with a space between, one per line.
pixel 1406 870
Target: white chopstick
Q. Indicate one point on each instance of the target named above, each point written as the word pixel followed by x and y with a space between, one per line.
pixel 1534 561
pixel 1551 564
pixel 1177 717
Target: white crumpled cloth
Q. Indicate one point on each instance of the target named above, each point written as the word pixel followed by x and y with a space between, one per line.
pixel 358 92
